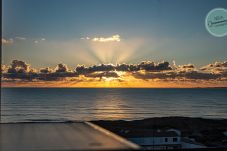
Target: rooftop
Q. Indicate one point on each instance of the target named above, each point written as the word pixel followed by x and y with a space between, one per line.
pixel 148 133
pixel 60 136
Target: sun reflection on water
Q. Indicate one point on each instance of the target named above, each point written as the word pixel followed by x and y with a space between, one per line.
pixel 111 108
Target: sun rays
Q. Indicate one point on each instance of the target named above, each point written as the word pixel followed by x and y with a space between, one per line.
pixel 114 49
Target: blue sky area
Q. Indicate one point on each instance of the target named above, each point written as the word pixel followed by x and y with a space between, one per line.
pixel 48 32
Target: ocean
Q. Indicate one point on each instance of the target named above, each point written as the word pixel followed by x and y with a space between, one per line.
pixel 85 104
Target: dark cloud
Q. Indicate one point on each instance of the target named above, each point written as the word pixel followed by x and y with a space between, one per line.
pixel 81 69
pixel 18 67
pixel 102 67
pixel 177 75
pixel 199 75
pixel 58 76
pixel 126 67
pixel 61 68
pixel 60 73
pixel 22 70
pixel 100 75
pixel 96 68
pixel 23 76
pixel 151 66
pixel 45 70
pixel 145 65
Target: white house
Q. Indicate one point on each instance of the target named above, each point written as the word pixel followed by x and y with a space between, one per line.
pixel 162 139
pixel 158 139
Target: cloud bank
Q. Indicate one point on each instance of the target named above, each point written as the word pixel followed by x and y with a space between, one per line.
pixel 146 70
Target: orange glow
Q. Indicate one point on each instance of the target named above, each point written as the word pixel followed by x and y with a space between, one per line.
pixel 129 82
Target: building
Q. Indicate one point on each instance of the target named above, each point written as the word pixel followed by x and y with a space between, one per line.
pixel 156 139
pixel 162 139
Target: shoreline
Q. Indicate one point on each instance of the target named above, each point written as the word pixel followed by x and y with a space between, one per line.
pixel 121 121
pixel 209 132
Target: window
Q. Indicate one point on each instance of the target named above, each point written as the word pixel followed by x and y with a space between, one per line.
pixel 166 139
pixel 174 139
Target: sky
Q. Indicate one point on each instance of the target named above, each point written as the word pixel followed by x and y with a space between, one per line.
pixel 46 33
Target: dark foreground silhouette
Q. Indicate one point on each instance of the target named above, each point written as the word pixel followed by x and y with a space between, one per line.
pixel 210 132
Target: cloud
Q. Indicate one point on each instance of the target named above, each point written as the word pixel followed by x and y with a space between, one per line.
pixel 100 75
pixel 151 66
pixel 21 70
pixel 7 41
pixel 61 68
pixel 20 38
pixel 216 68
pixel 81 69
pixel 19 67
pixel 188 66
pixel 145 65
pixel 115 38
pixel 199 75
pixel 173 75
pixel 40 40
pixel 60 73
pixel 10 41
pixel 127 67
pixel 4 68
pixel 46 70
pixel 55 76
pixel 154 75
pixel 219 64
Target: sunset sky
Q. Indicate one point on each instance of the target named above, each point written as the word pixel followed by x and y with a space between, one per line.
pixel 133 43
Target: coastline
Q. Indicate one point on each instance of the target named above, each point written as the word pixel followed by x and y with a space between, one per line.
pixel 206 131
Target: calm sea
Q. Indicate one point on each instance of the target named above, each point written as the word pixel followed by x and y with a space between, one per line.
pixel 63 104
